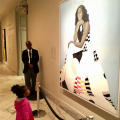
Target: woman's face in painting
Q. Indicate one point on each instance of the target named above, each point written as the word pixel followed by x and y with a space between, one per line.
pixel 79 14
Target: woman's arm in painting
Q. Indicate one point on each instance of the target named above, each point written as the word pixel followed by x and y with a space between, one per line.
pixel 76 29
pixel 85 33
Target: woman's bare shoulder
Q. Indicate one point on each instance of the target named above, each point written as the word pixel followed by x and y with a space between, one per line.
pixel 87 25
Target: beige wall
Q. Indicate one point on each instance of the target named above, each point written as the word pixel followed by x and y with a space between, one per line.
pixel 43 32
pixel 9 24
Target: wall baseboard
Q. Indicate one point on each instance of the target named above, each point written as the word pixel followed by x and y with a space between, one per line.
pixel 66 107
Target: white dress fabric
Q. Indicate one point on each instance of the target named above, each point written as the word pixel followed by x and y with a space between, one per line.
pixel 85 77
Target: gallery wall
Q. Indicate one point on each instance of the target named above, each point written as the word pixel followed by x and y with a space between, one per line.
pixel 44 33
pixel 9 24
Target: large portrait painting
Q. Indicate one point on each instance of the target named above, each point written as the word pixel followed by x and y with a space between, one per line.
pixel 90 51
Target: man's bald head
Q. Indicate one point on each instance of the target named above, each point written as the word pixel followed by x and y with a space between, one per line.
pixel 29 45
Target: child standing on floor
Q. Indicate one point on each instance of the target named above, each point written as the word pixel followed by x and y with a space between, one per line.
pixel 22 105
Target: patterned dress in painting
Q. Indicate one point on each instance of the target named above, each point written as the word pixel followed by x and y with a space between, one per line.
pixel 82 74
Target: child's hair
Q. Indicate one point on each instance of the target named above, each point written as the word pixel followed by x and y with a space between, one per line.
pixel 18 90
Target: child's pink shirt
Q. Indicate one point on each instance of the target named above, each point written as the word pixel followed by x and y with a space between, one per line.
pixel 23 110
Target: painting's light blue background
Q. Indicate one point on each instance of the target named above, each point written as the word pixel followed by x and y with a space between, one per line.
pixel 104 18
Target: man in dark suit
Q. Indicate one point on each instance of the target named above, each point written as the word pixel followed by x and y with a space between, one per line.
pixel 30 58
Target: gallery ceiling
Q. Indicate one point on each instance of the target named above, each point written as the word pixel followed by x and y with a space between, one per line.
pixel 6 6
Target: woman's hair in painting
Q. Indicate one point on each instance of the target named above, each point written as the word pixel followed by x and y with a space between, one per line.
pixel 85 15
pixel 18 90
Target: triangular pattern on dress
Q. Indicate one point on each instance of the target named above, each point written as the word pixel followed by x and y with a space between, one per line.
pixel 82 87
pixel 77 85
pixel 60 84
pixel 88 88
pixel 74 91
pixel 94 52
pixel 78 55
pixel 107 97
pixel 63 65
pixel 104 75
pixel 95 56
pixel 64 85
pixel 92 101
pixel 88 37
pixel 85 48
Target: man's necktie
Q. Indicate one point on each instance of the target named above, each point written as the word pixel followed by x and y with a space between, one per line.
pixel 30 56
